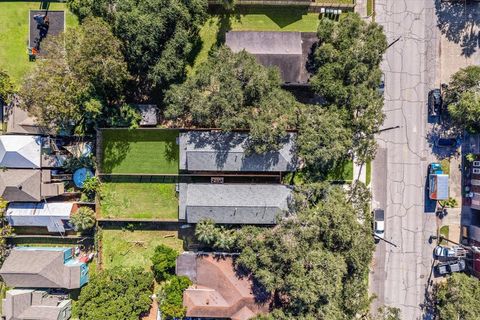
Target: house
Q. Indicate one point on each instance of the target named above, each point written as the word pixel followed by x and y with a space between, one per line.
pixel 289 51
pixel 36 267
pixel 261 204
pixel 19 121
pixel 29 304
pixel 217 290
pixel 26 175
pixel 55 216
pixel 215 151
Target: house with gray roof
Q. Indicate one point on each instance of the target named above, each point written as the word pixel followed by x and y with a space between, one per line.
pixel 289 51
pixel 234 203
pixel 30 304
pixel 36 267
pixel 218 151
pixel 26 185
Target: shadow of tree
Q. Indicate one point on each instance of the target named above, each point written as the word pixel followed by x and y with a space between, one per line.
pixel 114 152
pixel 460 23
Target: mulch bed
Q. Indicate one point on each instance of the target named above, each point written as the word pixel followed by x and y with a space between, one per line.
pixel 56 26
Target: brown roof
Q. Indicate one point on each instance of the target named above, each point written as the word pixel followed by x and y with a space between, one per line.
pixel 218 291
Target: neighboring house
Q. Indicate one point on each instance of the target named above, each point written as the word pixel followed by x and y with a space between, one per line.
pixel 234 203
pixel 24 176
pixel 55 216
pixel 289 51
pixel 215 151
pixel 29 304
pixel 217 290
pixel 19 121
pixel 35 267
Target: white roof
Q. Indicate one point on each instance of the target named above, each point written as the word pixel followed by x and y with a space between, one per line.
pixel 57 209
pixel 17 151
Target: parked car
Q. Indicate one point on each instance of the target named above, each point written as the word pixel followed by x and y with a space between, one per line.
pixel 434 102
pixel 444 252
pixel 450 267
pixel 446 142
pixel 379 223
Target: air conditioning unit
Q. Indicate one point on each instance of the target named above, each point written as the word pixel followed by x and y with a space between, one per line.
pixel 476 163
pixel 476 170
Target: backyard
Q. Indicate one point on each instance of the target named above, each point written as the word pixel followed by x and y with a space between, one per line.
pixel 147 151
pixel 14 35
pixel 253 18
pixel 139 200
pixel 135 248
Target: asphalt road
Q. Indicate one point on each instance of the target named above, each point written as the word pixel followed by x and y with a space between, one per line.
pixel 400 274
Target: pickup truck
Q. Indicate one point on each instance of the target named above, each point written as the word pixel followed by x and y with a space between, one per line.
pixel 450 267
pixel 437 182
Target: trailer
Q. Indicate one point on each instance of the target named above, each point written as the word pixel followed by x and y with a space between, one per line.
pixel 437 183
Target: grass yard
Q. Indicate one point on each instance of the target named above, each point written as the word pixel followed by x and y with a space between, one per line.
pixel 14 35
pixel 369 172
pixel 253 18
pixel 444 231
pixel 343 172
pixel 139 201
pixel 139 151
pixel 135 248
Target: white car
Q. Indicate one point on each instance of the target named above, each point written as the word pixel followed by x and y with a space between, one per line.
pixel 444 252
pixel 379 223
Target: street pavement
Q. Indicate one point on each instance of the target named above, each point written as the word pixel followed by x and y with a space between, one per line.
pixel 400 275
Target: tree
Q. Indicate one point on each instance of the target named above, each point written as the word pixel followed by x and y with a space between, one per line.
pixel 206 231
pixel 457 298
pixel 463 99
pixel 171 297
pixel 91 186
pixel 158 36
pixel 347 74
pixel 163 262
pixel 80 83
pixel 232 91
pixel 83 219
pixel 7 88
pixel 115 294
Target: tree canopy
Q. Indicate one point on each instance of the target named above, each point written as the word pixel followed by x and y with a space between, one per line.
pixel 171 297
pixel 83 219
pixel 457 298
pixel 233 91
pixel 7 88
pixel 79 83
pixel 463 99
pixel 347 62
pixel 115 294
pixel 158 36
pixel 163 262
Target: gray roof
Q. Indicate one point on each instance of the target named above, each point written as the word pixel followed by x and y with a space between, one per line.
pixel 226 151
pixel 52 215
pixel 288 51
pixel 40 268
pixel 28 304
pixel 148 113
pixel 20 184
pixel 234 203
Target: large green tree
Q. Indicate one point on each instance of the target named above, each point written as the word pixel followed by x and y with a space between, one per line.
pixel 457 298
pixel 171 297
pixel 163 262
pixel 115 294
pixel 232 91
pixel 462 97
pixel 7 88
pixel 158 36
pixel 79 83
pixel 348 75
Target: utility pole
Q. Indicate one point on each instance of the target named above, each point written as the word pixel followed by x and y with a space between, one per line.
pixel 389 242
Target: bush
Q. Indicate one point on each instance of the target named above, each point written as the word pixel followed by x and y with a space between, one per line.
pixel 163 261
pixel 91 186
pixel 171 297
pixel 83 219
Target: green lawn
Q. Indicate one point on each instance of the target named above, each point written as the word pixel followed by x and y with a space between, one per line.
pixel 253 18
pixel 14 35
pixel 369 172
pixel 444 231
pixel 139 201
pixel 135 248
pixel 342 172
pixel 139 151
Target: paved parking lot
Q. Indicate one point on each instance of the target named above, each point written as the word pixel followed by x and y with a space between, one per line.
pixel 459 23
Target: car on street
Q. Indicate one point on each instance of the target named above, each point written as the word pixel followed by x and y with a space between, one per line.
pixel 446 142
pixel 434 102
pixel 445 268
pixel 379 223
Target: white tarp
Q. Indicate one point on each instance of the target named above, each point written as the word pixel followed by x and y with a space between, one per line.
pixel 18 151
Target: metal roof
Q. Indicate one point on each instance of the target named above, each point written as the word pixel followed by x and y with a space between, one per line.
pixel 226 151
pixel 234 203
pixel 39 214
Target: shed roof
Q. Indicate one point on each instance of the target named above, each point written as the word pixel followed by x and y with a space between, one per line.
pixel 234 203
pixel 288 51
pixel 19 151
pixel 227 151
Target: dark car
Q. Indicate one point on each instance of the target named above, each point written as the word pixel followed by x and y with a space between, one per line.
pixel 381 87
pixel 450 267
pixel 434 102
pixel 446 142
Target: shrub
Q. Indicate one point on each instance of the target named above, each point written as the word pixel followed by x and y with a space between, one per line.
pixel 163 261
pixel 83 219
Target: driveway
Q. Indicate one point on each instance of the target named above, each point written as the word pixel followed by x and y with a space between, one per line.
pixel 400 275
pixel 459 24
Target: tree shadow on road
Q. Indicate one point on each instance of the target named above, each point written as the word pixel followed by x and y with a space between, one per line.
pixel 460 23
